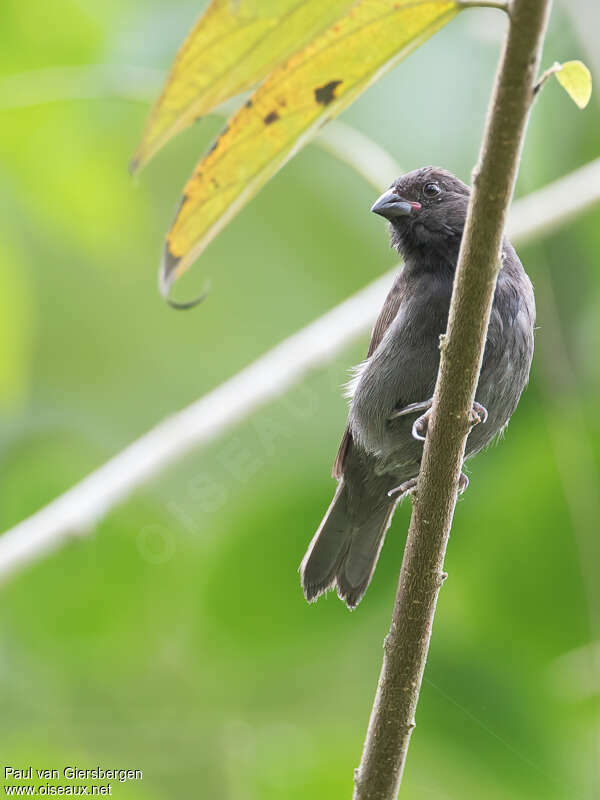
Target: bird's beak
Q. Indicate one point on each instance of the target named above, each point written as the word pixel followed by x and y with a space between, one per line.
pixel 390 206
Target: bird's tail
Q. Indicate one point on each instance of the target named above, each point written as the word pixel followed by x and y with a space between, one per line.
pixel 345 548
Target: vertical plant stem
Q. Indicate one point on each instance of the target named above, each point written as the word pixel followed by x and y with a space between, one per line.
pixel 407 643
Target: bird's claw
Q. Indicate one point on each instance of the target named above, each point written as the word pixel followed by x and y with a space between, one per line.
pixel 409 486
pixel 406 488
pixel 479 414
pixel 419 428
pixel 414 408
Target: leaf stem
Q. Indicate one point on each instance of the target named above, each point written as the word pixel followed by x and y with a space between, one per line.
pixel 501 5
pixel 545 75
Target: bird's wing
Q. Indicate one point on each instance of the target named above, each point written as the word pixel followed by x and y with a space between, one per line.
pixel 386 315
pixel 384 320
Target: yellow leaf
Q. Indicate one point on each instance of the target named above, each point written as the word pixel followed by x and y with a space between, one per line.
pixel 576 80
pixel 295 100
pixel 230 49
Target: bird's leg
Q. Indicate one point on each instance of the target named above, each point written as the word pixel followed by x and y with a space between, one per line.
pixel 413 408
pixel 419 429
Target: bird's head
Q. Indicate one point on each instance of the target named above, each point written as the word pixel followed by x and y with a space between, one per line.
pixel 426 210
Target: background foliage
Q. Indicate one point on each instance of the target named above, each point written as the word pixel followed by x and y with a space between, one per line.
pixel 176 639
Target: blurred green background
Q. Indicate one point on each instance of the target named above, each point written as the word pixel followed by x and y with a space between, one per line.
pixel 175 639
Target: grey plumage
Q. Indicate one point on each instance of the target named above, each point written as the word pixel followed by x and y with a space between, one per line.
pixel 427 211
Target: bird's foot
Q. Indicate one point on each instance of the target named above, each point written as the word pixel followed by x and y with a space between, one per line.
pixel 478 415
pixel 406 488
pixel 415 408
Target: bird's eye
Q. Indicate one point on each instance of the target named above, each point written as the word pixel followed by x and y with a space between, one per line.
pixel 431 189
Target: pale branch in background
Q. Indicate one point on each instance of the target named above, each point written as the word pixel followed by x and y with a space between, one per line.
pixel 79 509
pixel 561 201
pixel 361 153
pixel 407 643
pixel 76 511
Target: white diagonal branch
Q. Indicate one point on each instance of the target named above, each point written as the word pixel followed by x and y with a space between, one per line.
pixel 76 511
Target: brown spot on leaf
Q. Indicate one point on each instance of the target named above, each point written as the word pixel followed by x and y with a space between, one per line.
pixel 325 94
pixel 216 142
pixel 272 117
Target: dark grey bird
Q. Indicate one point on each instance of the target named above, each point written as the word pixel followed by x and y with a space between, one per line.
pixel 390 395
